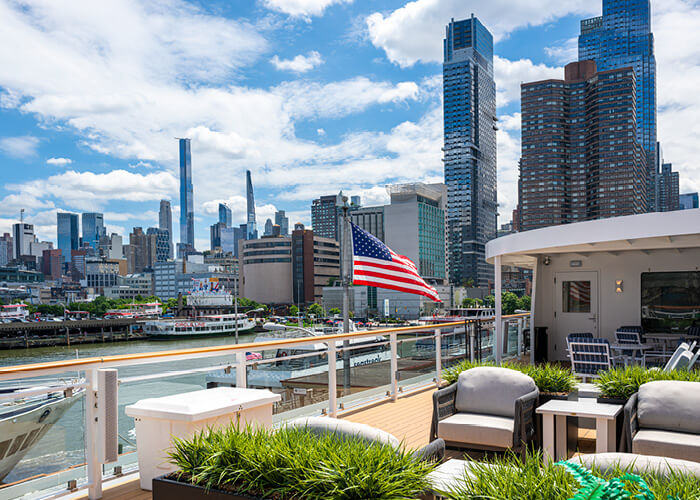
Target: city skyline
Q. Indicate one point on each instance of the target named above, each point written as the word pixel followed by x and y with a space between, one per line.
pixel 99 158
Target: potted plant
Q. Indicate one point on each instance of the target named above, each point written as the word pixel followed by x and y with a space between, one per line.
pixel 553 381
pixel 617 385
pixel 289 463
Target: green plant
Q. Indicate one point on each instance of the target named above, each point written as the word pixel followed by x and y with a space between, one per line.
pixel 623 382
pixel 295 463
pixel 547 377
pixel 333 311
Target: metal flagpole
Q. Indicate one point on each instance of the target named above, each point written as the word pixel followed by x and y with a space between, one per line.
pixel 345 255
pixel 235 303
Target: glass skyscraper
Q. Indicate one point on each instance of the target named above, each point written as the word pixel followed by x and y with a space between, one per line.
pixel 469 148
pixel 225 215
pixel 251 229
pixel 165 222
pixel 622 37
pixel 93 228
pixel 186 195
pixel 67 237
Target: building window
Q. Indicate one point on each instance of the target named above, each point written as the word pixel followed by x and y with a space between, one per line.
pixel 670 301
pixel 576 296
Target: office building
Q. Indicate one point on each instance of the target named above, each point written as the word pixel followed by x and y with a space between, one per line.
pixel 51 263
pixel 324 217
pixel 268 227
pixel 688 201
pixel 251 224
pixel 229 243
pixel 162 237
pixel 5 250
pixel 225 215
pixel 469 148
pixel 355 201
pixel 77 264
pixel 165 222
pixel 215 235
pixel 282 221
pixel 101 273
pixel 622 38
pixel 371 219
pixel 186 197
pixel 141 251
pixel 131 286
pixel 581 159
pixel 22 236
pixel 93 228
pixel 68 236
pixel 668 189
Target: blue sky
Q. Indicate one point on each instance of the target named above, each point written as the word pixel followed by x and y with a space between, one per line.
pixel 312 96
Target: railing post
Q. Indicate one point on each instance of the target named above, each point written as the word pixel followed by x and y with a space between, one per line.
pixel 438 357
pixel 94 471
pixel 472 340
pixel 520 337
pixel 394 366
pixel 241 375
pixel 332 384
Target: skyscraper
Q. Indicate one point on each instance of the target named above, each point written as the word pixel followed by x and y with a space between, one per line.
pixel 469 148
pixel 93 228
pixel 620 38
pixel 215 235
pixel 581 159
pixel 252 232
pixel 225 215
pixel 165 222
pixel 688 201
pixel 268 227
pixel 186 195
pixel 67 234
pixel 283 222
pixel 22 236
pixel 324 217
pixel 668 189
pixel 163 243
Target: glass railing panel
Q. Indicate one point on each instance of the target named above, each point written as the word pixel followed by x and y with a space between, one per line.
pixel 416 359
pixel 364 369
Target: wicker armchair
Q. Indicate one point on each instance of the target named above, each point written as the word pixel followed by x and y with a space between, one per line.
pixel 488 408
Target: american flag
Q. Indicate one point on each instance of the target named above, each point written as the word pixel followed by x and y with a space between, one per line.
pixel 375 264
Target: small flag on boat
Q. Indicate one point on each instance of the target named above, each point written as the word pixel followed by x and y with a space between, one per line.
pixel 375 264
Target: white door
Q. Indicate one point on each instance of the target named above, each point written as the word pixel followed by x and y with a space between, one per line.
pixel 576 306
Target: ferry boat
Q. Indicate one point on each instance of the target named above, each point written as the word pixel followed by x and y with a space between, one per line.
pixel 24 421
pixel 14 311
pixel 203 326
pixel 150 310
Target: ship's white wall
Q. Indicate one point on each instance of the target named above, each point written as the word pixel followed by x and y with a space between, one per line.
pixel 614 309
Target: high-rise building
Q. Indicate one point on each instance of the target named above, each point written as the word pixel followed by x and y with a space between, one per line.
pixel 371 219
pixel 324 217
pixel 688 201
pixel 251 225
pixel 229 243
pixel 6 249
pixel 142 250
pixel 93 228
pixel 215 235
pixel 165 221
pixel 186 195
pixel 668 189
pixel 355 201
pixel 162 243
pixel 268 227
pixel 51 263
pixel 469 148
pixel 225 215
pixel 68 236
pixel 622 38
pixel 282 221
pixel 581 158
pixel 22 237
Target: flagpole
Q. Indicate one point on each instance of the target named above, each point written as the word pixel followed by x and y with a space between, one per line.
pixel 345 255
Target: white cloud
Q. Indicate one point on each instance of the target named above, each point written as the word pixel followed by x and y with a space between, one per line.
pixel 59 161
pixel 299 64
pixel 19 147
pixel 302 8
pixel 564 51
pixel 510 74
pixel 415 31
pixel 320 132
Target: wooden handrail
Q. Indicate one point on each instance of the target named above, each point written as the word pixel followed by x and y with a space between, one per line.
pixel 119 358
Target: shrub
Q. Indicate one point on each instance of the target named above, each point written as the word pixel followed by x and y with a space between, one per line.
pixel 623 382
pixel 295 463
pixel 547 377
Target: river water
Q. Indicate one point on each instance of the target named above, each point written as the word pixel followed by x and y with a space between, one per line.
pixel 63 446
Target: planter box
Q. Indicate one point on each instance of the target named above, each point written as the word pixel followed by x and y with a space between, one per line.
pixel 612 400
pixel 165 488
pixel 619 421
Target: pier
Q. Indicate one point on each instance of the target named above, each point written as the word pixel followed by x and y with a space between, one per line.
pixel 54 333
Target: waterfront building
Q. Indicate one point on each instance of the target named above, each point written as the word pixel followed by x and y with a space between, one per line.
pixel 581 158
pixel 268 227
pixel 469 148
pixel 215 235
pixel 162 237
pixel 165 222
pixel 668 190
pixel 622 38
pixel 688 201
pixel 101 273
pixel 324 217
pixel 316 262
pixel 225 215
pixel 186 196
pixel 282 221
pixel 131 286
pixel 164 279
pixel 93 228
pixel 371 219
pixel 251 224
pixel 68 236
pixel 51 263
pixel 22 236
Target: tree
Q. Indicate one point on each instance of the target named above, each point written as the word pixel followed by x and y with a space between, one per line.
pixel 489 301
pixel 293 310
pixel 332 280
pixel 470 302
pixel 334 311
pixel 315 309
pixel 525 303
pixel 509 302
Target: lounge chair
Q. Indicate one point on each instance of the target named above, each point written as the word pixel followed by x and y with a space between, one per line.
pixel 488 408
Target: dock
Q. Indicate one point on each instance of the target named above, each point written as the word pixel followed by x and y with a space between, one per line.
pixel 20 335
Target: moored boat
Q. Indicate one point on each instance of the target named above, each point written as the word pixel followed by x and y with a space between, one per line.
pixel 203 326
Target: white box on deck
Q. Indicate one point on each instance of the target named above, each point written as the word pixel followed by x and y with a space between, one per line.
pixel 181 415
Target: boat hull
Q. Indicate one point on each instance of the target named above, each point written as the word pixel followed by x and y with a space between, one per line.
pixel 191 335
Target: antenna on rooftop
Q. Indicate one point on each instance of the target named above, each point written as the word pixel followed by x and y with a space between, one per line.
pixel 21 216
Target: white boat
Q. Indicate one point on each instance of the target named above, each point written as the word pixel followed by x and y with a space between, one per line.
pixel 14 311
pixel 24 421
pixel 203 326
pixel 366 351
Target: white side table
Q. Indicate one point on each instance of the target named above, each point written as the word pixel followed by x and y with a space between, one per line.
pixel 555 442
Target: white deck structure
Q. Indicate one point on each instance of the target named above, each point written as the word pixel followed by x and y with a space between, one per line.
pixel 600 262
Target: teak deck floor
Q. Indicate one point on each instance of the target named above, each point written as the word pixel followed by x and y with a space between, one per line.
pixel 408 419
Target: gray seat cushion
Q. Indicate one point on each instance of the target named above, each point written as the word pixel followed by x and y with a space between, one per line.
pixel 667 444
pixel 345 428
pixel 669 405
pixel 637 464
pixel 475 428
pixel 491 390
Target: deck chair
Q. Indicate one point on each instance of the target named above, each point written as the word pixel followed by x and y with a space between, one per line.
pixel 589 356
pixel 580 335
pixel 625 335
